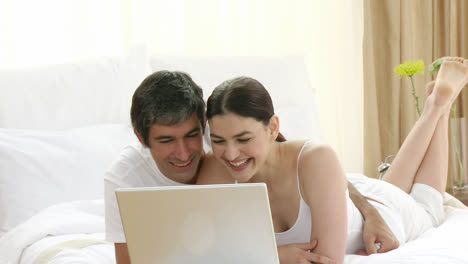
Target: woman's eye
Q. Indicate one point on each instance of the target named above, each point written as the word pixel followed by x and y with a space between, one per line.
pixel 217 141
pixel 243 140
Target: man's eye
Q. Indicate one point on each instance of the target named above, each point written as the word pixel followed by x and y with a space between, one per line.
pixel 243 140
pixel 165 141
pixel 193 135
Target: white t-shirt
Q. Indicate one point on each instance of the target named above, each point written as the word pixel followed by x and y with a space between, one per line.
pixel 134 168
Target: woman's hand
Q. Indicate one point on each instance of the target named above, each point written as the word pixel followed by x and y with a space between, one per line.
pixel 300 254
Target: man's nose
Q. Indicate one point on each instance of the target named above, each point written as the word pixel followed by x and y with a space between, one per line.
pixel 182 151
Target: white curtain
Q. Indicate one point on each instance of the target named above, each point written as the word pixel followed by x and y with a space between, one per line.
pixel 328 33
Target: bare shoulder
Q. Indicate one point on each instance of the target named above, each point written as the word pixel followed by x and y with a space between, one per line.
pixel 309 149
pixel 317 152
pixel 318 167
pixel 289 152
pixel 213 172
pixel 318 162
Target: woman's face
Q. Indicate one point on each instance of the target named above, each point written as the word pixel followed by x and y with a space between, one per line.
pixel 240 143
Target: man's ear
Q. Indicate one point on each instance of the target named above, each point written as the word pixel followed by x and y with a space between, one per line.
pixel 274 126
pixel 139 138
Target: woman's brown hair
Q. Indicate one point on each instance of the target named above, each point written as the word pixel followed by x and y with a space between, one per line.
pixel 242 96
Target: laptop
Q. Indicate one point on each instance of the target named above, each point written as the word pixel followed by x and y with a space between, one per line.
pixel 200 224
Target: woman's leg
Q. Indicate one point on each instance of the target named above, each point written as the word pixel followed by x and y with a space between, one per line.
pixel 423 157
pixel 434 167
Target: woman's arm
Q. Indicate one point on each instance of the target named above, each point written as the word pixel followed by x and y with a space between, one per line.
pixel 212 172
pixel 323 187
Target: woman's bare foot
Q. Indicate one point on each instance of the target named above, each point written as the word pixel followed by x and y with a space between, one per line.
pixel 452 77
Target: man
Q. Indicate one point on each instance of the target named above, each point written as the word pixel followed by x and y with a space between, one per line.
pixel 168 117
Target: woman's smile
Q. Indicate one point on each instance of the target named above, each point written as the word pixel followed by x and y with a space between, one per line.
pixel 239 165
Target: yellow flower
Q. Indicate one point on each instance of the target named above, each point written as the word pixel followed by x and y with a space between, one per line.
pixel 410 68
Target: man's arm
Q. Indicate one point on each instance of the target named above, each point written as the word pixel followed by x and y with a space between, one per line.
pixel 121 253
pixel 375 228
pixel 114 230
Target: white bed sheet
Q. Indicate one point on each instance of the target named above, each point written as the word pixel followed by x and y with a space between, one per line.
pixel 447 243
pixel 84 220
pixel 94 253
pixel 78 221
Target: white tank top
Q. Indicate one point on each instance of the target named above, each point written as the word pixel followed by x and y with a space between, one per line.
pixel 301 230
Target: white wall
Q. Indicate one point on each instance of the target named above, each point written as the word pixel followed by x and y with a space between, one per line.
pixel 329 33
pixel 56 31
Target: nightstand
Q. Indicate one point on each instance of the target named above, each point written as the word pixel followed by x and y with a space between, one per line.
pixel 461 194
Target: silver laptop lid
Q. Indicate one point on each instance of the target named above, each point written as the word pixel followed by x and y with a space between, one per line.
pixel 229 223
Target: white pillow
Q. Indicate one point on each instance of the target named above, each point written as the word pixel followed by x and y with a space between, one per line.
pixel 285 77
pixel 39 168
pixel 72 95
pixel 299 122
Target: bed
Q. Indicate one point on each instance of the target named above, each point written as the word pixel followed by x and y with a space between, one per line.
pixel 61 127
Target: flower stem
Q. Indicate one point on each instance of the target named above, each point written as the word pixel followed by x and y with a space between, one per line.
pixel 455 146
pixel 416 98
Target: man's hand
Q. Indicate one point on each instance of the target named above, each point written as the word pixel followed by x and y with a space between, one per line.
pixel 377 231
pixel 121 253
pixel 300 254
pixel 375 228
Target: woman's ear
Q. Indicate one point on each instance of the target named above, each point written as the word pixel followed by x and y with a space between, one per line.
pixel 274 126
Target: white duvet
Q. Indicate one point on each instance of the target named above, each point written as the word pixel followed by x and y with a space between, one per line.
pixel 74 233
pixel 64 233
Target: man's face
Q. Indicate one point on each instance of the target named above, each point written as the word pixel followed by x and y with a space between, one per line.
pixel 177 149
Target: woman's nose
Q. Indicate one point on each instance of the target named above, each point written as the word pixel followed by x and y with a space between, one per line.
pixel 231 153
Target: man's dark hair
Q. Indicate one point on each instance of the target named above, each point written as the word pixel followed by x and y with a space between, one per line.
pixel 166 98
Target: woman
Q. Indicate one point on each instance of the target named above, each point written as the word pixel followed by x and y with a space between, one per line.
pixel 307 187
